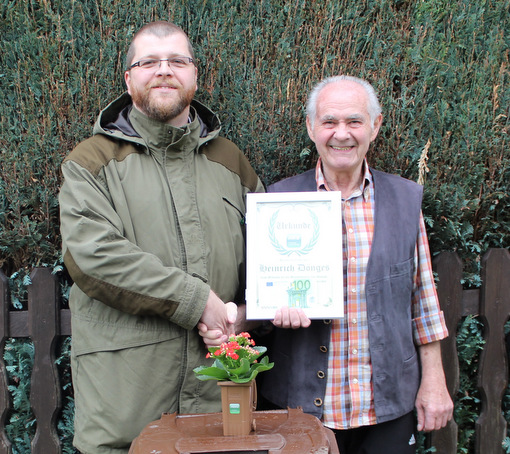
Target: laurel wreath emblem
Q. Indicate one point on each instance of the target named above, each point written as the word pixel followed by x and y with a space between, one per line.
pixel 285 251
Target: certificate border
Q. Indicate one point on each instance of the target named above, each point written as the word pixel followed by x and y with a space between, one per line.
pixel 332 257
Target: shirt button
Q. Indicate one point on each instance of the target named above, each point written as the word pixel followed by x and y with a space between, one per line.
pixel 354 351
pixel 353 290
pixel 353 259
pixel 317 402
pixel 355 381
pixel 354 321
pixel 351 230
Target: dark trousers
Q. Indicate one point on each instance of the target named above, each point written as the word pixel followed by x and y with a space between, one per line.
pixel 392 437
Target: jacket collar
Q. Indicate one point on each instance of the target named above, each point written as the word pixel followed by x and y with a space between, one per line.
pixel 121 120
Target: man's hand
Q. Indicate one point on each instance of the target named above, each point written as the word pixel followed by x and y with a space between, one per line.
pixel 287 317
pixel 217 322
pixel 433 403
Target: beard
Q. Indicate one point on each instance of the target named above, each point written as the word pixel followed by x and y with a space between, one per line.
pixel 162 108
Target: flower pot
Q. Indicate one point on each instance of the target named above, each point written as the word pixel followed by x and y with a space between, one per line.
pixel 238 401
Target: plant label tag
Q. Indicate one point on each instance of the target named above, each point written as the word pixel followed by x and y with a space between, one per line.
pixel 235 409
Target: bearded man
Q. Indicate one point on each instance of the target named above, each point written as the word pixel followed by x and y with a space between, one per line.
pixel 152 214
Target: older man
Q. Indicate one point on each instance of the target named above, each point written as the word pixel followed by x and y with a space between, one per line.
pixel 364 374
pixel 152 213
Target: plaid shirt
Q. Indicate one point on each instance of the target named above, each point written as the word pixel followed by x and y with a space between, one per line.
pixel 349 400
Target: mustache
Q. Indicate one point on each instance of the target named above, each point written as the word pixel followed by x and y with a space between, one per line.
pixel 164 83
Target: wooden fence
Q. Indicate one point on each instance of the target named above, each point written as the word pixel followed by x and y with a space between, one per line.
pixel 44 322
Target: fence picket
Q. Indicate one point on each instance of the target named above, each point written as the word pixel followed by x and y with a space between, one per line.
pixel 493 374
pixel 44 323
pixel 5 402
pixel 449 289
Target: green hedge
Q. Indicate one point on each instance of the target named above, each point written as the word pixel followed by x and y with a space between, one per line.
pixel 440 68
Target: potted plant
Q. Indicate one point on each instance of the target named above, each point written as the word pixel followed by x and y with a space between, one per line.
pixel 236 364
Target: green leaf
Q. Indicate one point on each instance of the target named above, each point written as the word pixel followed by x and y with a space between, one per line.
pixel 243 369
pixel 210 373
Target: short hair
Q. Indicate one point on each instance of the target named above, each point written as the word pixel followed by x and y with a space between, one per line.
pixel 161 29
pixel 374 108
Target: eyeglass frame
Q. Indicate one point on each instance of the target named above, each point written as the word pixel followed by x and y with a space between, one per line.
pixel 137 63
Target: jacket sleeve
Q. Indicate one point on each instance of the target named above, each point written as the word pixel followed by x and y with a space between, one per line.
pixel 109 268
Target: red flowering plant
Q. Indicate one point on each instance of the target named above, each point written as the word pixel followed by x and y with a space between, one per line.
pixel 236 360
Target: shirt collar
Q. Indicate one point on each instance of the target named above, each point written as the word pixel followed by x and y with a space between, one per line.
pixel 322 185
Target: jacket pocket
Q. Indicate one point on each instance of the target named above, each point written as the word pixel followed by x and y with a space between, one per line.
pixel 236 214
pixel 237 210
pixel 401 281
pixel 410 380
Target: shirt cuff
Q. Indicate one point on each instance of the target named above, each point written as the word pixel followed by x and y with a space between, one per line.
pixel 430 328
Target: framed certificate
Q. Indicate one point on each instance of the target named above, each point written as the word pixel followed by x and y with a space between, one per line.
pixel 294 254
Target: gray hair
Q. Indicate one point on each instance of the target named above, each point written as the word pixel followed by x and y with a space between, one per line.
pixel 374 108
pixel 161 29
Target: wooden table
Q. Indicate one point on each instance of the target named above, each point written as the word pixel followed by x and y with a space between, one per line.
pixel 277 431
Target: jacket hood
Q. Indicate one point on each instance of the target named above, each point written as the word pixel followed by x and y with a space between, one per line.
pixel 114 121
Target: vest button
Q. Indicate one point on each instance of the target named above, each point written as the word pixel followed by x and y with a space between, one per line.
pixel 327 322
pixel 321 374
pixel 317 402
pixel 323 349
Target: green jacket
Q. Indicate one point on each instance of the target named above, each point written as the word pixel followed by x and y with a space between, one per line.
pixel 149 226
pixel 152 218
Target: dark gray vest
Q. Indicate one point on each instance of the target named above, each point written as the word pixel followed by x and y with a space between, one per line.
pixel 299 376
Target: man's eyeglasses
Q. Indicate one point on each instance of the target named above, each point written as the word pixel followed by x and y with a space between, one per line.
pixel 174 62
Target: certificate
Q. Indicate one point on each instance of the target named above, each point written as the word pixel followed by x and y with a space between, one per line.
pixel 294 254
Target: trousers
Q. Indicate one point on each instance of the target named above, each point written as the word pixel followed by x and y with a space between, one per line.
pixel 392 437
